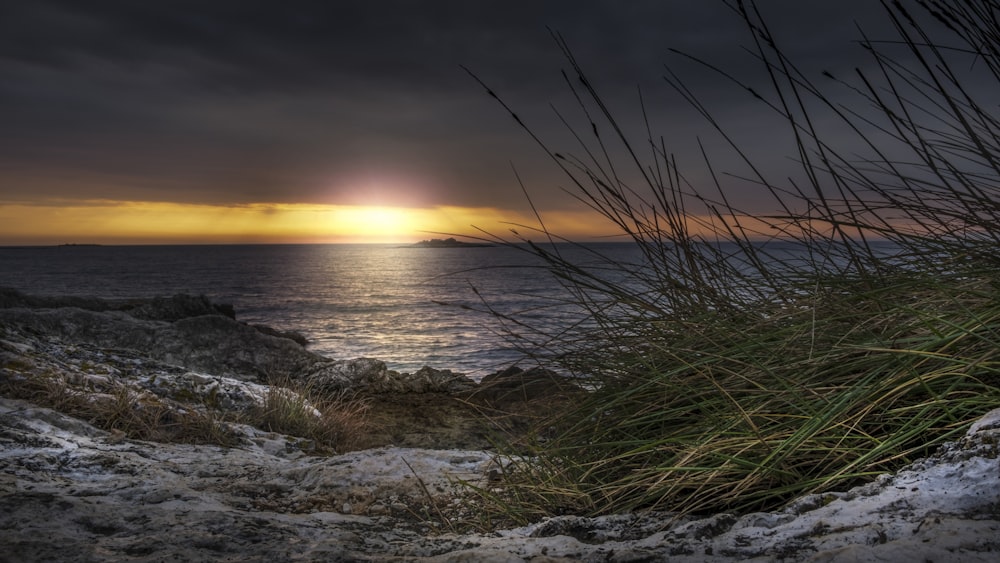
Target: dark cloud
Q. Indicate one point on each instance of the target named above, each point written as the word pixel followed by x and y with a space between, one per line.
pixel 242 101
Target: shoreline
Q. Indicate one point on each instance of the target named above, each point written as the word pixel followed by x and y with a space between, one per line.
pixel 74 492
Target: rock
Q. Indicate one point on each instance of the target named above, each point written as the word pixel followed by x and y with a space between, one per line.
pixel 209 343
pixel 372 376
pixel 197 335
pixel 296 337
pixel 428 379
pixel 429 419
pixel 514 385
pixel 70 492
pixel 341 375
pixel 425 380
pixel 213 391
pixel 222 346
pixel 185 331
pixel 11 298
pixel 179 306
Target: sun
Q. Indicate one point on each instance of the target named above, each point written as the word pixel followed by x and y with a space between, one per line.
pixel 374 222
pixel 139 222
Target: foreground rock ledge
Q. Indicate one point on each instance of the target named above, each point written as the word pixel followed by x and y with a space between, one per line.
pixel 71 492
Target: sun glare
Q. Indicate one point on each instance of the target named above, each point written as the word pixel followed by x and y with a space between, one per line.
pixel 373 222
pixel 125 222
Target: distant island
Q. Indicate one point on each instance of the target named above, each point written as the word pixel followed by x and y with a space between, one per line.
pixel 448 243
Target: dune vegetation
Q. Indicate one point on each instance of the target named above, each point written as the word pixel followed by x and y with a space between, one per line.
pixel 728 376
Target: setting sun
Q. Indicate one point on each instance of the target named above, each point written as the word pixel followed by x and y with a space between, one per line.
pixel 157 222
pixel 375 222
pixel 131 222
pixel 137 222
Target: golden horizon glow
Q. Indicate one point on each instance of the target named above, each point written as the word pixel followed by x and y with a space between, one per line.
pixel 137 222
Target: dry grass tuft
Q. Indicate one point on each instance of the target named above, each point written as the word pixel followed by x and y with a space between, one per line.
pixel 122 410
pixel 332 420
pixel 326 421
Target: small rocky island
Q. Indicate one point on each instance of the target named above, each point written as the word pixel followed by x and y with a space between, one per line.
pixel 143 430
pixel 449 243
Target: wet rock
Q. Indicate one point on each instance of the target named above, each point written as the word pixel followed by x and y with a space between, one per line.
pixel 209 343
pixel 292 335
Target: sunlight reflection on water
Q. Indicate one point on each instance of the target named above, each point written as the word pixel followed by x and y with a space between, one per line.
pixel 406 306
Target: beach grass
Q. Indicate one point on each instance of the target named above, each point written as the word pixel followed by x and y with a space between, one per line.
pixel 335 421
pixel 725 376
pixel 123 410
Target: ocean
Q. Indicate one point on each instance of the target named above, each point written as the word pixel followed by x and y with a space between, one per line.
pixel 406 306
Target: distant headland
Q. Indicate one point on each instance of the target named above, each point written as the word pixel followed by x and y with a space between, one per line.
pixel 448 243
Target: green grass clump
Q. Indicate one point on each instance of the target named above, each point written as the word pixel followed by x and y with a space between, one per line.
pixel 727 377
pixel 741 414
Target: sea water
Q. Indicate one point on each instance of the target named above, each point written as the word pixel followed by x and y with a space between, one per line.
pixel 407 306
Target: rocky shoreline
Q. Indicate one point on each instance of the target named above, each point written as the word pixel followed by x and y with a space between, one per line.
pixel 70 491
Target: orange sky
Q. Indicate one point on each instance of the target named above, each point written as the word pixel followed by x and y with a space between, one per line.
pixel 136 222
pixel 118 222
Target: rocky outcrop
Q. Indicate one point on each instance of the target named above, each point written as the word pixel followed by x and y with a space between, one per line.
pixel 372 376
pixel 212 343
pixel 516 384
pixel 195 334
pixel 175 308
pixel 179 306
pixel 292 335
pixel 70 492
pixel 213 362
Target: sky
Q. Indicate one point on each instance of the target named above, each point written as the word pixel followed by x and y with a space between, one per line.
pixel 236 121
